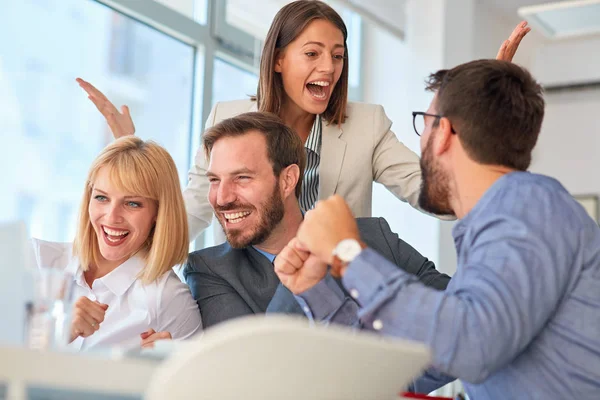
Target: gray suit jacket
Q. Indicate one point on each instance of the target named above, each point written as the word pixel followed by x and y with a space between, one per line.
pixel 229 283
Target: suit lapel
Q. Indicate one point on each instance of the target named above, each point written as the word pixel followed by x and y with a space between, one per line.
pixel 331 165
pixel 274 298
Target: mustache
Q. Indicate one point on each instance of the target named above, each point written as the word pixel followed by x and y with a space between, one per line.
pixel 233 206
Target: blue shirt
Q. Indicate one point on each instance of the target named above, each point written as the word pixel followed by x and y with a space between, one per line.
pixel 521 316
pixel 270 257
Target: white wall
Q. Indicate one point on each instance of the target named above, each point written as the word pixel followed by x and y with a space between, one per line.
pixel 568 61
pixel 493 28
pixel 439 34
pixel 569 144
pixel 394 72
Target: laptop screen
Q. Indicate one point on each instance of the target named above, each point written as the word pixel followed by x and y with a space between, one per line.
pixel 16 286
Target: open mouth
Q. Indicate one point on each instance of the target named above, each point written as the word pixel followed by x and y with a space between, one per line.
pixel 236 217
pixel 114 236
pixel 319 89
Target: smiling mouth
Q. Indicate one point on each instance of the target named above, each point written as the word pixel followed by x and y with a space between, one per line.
pixel 114 236
pixel 237 217
pixel 318 89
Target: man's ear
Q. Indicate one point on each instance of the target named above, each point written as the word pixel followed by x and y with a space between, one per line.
pixel 443 136
pixel 278 61
pixel 288 180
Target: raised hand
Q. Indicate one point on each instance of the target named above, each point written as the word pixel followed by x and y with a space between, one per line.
pixel 87 317
pixel 297 269
pixel 509 47
pixel 120 123
pixel 151 336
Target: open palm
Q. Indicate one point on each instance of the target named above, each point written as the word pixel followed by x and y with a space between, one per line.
pixel 120 122
pixel 509 47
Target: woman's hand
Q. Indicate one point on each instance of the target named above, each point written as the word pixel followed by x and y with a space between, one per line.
pixel 151 336
pixel 87 317
pixel 509 47
pixel 120 123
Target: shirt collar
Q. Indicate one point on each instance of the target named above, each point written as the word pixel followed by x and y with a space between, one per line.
pixel 313 142
pixel 270 257
pixel 118 280
pixel 461 226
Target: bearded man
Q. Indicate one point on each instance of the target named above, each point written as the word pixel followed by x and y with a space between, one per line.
pixel 256 165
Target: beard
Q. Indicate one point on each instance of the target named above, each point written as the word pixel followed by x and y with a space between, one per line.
pixel 435 189
pixel 270 214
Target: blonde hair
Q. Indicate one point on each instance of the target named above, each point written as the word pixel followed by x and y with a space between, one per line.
pixel 145 169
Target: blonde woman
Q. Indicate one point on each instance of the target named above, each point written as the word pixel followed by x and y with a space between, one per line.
pixel 304 80
pixel 132 231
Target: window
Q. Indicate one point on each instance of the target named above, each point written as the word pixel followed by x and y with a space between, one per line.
pixel 195 9
pixel 232 83
pixel 51 131
pixel 168 60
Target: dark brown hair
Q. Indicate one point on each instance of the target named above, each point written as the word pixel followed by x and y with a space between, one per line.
pixel 284 146
pixel 496 108
pixel 287 25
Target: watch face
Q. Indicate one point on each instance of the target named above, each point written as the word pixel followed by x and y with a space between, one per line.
pixel 347 250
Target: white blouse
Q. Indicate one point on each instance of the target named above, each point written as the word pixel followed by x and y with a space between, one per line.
pixel 164 305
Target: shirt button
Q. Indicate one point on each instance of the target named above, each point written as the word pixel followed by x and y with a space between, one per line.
pixel 354 293
pixel 377 324
pixel 306 309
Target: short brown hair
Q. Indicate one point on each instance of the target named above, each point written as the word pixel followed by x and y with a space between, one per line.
pixel 146 169
pixel 496 108
pixel 284 146
pixel 287 25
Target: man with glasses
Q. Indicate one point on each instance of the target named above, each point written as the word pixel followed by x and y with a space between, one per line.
pixel 521 316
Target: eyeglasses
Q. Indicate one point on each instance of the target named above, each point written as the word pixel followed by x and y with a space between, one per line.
pixel 419 123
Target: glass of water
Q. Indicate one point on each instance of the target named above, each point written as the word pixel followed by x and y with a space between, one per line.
pixel 48 312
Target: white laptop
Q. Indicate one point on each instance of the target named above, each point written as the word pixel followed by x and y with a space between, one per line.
pixel 16 260
pixel 283 357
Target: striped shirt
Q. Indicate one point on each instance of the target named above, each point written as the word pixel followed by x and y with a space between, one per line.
pixel 310 183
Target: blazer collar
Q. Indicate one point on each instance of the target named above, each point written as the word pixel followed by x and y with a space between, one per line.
pixel 334 148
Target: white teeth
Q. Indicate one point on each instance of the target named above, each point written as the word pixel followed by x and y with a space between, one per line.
pixel 235 216
pixel 319 83
pixel 112 232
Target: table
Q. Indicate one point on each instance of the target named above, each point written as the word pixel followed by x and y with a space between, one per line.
pixel 31 374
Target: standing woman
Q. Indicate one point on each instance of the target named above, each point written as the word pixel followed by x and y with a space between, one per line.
pixel 304 80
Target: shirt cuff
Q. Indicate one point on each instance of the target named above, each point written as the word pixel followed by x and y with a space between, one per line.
pixel 321 300
pixel 369 273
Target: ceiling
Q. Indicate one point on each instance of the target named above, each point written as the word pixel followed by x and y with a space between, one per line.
pixel 244 14
pixel 578 19
pixel 391 12
pixel 390 15
pixel 509 7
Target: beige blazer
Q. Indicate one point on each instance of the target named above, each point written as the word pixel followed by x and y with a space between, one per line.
pixel 362 151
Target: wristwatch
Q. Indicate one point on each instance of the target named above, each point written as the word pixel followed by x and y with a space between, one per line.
pixel 344 253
